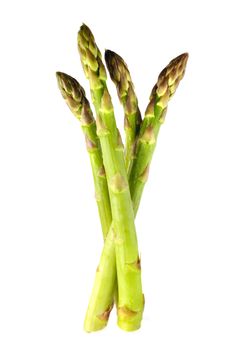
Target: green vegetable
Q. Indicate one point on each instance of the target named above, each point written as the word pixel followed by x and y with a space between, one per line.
pixel 120 75
pixel 165 87
pixel 119 172
pixel 75 98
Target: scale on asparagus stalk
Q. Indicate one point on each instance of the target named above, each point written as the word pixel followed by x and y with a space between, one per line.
pixel 119 172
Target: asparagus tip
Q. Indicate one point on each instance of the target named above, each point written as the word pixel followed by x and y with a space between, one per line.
pixel 169 79
pixel 108 54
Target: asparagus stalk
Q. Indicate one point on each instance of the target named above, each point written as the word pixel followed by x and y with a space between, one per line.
pixel 75 98
pixel 120 75
pixel 104 289
pixel 101 300
pixel 74 95
pixel 130 297
pixel 165 87
pixel 106 274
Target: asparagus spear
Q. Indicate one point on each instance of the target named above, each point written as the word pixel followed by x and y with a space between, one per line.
pixel 130 297
pixel 75 98
pixel 74 95
pixel 97 315
pixel 120 75
pixel 165 87
pixel 106 274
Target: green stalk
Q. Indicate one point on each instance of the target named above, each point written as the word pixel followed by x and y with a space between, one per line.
pixel 130 297
pixel 120 75
pixel 104 289
pixel 75 98
pixel 105 280
pixel 166 86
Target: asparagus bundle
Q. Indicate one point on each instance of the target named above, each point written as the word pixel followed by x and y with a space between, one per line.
pixel 119 172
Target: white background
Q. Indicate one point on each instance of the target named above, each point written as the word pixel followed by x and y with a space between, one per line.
pixel 50 236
